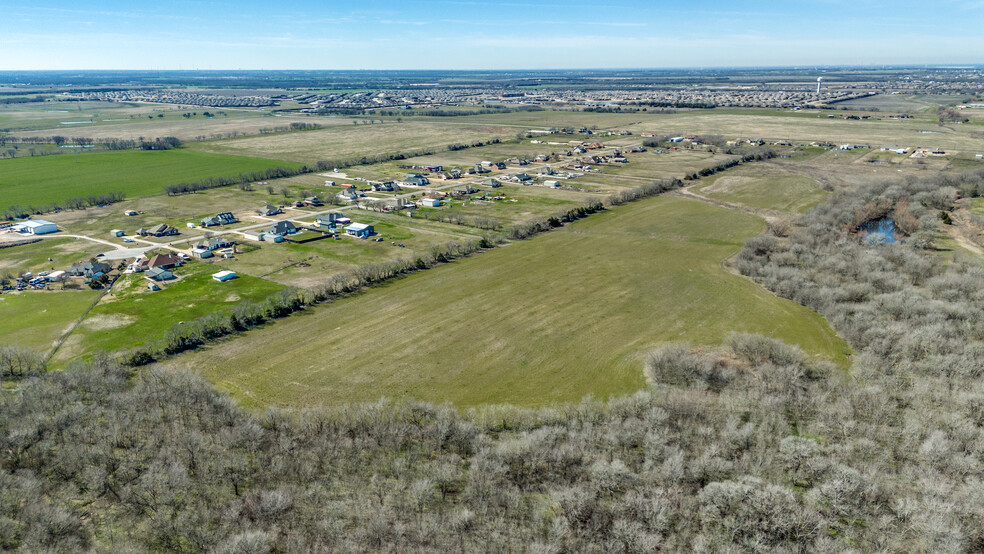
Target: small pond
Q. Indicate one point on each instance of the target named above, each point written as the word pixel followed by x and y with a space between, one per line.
pixel 879 231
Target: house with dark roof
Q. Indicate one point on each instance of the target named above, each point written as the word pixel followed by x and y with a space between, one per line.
pixel 161 230
pixel 214 243
pixel 268 210
pixel 159 274
pixel 281 228
pixel 89 269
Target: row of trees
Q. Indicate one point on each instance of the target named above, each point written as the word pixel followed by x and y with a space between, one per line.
pixel 758 155
pixel 242 178
pixel 75 203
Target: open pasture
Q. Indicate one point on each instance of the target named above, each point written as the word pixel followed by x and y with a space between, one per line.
pixel 131 315
pixel 353 141
pixel 40 181
pixel 552 319
pixel 764 185
pixel 62 251
pixel 37 319
pixel 137 120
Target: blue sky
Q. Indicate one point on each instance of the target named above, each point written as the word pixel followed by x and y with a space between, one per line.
pixel 465 34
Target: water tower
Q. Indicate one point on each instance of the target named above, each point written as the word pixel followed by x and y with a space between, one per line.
pixel 819 82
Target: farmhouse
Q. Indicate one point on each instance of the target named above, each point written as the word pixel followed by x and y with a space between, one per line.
pixel 159 274
pixel 282 228
pixel 36 227
pixel 161 230
pixel 224 218
pixel 494 183
pixel 214 243
pixel 269 210
pixel 360 230
pixel 224 275
pixel 331 220
pixel 164 261
pixel 89 269
pixel 523 178
pixel 416 180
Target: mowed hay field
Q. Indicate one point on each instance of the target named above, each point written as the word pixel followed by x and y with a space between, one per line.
pixel 36 319
pixel 566 314
pixel 42 180
pixel 354 141
pixel 765 186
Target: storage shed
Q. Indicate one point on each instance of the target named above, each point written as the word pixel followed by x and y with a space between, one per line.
pixel 224 275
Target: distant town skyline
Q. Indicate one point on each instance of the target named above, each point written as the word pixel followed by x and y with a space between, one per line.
pixel 464 34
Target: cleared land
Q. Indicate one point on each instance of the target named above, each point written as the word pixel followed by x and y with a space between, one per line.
pixel 36 319
pixel 552 319
pixel 764 186
pixel 33 257
pixel 132 315
pixel 42 180
pixel 355 141
pixel 132 120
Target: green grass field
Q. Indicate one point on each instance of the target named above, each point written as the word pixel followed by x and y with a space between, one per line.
pixel 132 315
pixel 36 319
pixel 566 314
pixel 41 180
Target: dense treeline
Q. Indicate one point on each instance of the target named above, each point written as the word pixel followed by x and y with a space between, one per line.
pixel 99 457
pixel 909 432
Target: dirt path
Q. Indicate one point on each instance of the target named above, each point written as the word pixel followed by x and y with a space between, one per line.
pixel 960 229
pixel 769 216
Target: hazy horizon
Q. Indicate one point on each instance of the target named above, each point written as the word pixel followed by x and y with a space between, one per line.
pixel 465 35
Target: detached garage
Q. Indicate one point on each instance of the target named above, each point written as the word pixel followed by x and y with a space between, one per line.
pixel 38 227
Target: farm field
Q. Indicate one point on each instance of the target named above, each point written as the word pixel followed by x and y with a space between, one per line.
pixel 42 180
pixel 354 141
pixel 764 185
pixel 552 319
pixel 132 315
pixel 37 319
pixel 133 120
